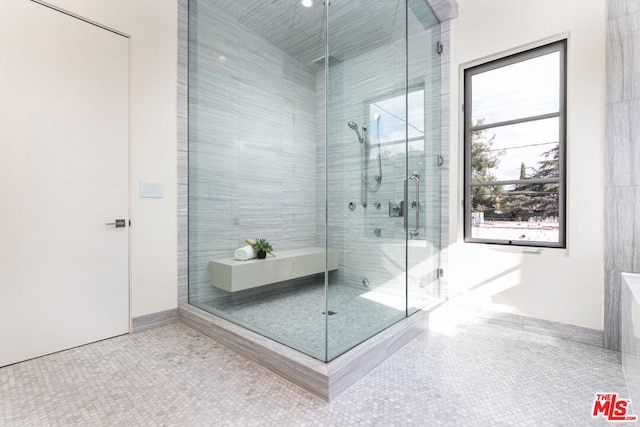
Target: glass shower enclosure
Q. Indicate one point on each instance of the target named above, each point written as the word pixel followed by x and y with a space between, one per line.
pixel 314 125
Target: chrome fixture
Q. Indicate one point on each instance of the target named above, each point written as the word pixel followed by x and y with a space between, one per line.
pixel 354 127
pixel 378 178
pixel 414 177
pixel 365 283
pixel 364 155
pixel 352 206
pixel 395 209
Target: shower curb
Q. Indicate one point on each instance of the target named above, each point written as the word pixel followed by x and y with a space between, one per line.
pixel 325 380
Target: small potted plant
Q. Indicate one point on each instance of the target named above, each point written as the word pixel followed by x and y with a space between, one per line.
pixel 262 248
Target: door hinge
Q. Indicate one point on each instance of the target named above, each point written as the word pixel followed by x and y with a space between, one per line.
pixel 440 160
pixel 439 47
pixel 439 272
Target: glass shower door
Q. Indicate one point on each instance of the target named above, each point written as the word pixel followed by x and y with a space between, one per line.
pixel 366 164
pixel 382 167
pixel 423 157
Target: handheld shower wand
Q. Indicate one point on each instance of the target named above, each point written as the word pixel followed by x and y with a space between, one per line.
pixel 354 127
pixel 364 153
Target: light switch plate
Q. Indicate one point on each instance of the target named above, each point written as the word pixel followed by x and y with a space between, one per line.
pixel 153 190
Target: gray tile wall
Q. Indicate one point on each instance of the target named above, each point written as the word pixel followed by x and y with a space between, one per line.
pixel 252 146
pixel 444 10
pixel 445 103
pixel 183 154
pixel 622 158
pixel 355 83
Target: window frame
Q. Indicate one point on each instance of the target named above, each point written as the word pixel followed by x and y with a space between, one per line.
pixel 557 46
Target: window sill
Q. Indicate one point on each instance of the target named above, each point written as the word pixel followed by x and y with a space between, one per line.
pixel 524 250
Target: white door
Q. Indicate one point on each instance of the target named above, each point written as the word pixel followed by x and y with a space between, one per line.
pixel 64 277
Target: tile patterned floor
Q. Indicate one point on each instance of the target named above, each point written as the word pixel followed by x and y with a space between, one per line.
pixel 296 318
pixel 461 373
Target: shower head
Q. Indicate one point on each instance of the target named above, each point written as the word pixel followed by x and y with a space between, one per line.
pixel 354 127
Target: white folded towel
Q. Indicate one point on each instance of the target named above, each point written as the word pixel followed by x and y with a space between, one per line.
pixel 244 253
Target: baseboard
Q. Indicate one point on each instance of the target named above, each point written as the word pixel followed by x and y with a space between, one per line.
pixel 154 320
pixel 550 328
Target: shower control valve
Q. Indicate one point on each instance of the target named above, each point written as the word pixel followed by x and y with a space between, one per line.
pixel 395 209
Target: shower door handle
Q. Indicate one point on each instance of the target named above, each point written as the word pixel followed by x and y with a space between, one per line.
pixel 415 178
pixel 405 204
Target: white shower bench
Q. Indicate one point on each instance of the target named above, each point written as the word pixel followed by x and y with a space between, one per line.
pixel 233 275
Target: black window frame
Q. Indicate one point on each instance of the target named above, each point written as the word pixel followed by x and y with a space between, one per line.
pixel 557 46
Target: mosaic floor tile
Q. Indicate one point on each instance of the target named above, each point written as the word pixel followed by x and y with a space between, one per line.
pixel 460 373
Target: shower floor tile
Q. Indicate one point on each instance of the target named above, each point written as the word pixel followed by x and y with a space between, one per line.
pixel 460 373
pixel 297 319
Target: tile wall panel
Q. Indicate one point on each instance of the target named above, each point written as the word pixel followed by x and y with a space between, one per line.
pixel 183 154
pixel 353 85
pixel 252 152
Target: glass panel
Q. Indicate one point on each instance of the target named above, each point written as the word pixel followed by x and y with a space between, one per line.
pixel 423 245
pixel 518 213
pixel 522 151
pixel 256 166
pixel 525 89
pixel 367 292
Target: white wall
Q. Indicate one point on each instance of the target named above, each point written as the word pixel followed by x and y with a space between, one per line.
pixel 152 25
pixel 559 285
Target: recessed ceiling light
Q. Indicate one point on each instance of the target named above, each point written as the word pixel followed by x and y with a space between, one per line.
pixel 307 3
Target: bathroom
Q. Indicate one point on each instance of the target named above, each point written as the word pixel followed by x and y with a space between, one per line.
pixel 318 166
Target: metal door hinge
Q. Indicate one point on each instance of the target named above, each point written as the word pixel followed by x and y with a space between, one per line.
pixel 439 47
pixel 439 272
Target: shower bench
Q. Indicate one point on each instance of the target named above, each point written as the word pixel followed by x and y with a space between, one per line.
pixel 233 275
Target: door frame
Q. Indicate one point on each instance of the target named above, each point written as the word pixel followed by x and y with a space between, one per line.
pixel 129 151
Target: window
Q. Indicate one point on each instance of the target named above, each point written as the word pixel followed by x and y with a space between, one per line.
pixel 514 138
pixel 387 123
